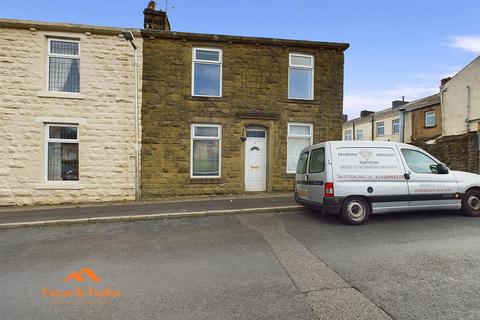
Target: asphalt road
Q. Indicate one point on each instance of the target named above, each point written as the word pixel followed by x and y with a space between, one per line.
pixel 412 266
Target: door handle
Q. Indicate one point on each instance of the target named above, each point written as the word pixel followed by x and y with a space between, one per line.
pixel 306 177
pixel 407 176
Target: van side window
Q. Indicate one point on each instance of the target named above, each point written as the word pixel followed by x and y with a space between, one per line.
pixel 419 162
pixel 302 163
pixel 317 161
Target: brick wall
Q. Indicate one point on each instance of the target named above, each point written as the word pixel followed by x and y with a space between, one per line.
pixel 458 152
pixel 255 79
pixel 103 109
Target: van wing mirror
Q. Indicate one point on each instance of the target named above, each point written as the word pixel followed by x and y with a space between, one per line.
pixel 442 169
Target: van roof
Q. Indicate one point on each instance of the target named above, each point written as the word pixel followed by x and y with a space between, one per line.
pixel 341 143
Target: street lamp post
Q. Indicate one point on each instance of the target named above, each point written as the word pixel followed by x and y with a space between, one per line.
pixel 129 37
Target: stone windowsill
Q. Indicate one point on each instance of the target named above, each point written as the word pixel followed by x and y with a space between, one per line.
pixel 205 181
pixel 300 101
pixel 289 175
pixel 59 186
pixel 63 95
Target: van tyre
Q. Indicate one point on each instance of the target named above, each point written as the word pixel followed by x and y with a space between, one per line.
pixel 471 203
pixel 355 210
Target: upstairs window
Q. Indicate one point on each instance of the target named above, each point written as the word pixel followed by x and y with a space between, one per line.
pixel 348 135
pixel 359 135
pixel 300 76
pixel 396 126
pixel 63 65
pixel 207 72
pixel 299 136
pixel 430 119
pixel 380 129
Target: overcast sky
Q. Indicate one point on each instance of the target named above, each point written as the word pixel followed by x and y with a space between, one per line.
pixel 398 47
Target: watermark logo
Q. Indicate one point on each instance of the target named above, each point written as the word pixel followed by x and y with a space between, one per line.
pixel 90 291
pixel 78 276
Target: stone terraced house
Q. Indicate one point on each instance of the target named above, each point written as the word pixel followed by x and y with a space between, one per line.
pixel 66 114
pixel 230 114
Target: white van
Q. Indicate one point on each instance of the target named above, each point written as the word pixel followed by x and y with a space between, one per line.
pixel 357 178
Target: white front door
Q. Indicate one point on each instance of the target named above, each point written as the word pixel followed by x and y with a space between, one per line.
pixel 255 160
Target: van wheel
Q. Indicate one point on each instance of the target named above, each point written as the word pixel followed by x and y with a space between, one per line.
pixel 471 203
pixel 355 210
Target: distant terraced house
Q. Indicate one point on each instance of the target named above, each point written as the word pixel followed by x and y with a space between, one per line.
pixel 219 114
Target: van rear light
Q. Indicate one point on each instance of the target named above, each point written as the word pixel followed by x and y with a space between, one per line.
pixel 329 189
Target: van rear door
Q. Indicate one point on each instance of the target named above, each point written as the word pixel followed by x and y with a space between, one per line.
pixel 316 175
pixel 301 176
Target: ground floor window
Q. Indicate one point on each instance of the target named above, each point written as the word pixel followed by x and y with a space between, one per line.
pixel 348 135
pixel 359 134
pixel 299 136
pixel 206 150
pixel 62 152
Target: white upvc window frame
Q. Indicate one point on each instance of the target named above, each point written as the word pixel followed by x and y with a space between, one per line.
pixel 357 136
pixel 348 133
pixel 293 66
pixel 219 139
pixel 430 114
pixel 378 126
pixel 220 63
pixel 393 126
pixel 290 135
pixel 48 139
pixel 58 55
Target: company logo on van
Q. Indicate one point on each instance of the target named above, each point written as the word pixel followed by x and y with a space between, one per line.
pixel 365 154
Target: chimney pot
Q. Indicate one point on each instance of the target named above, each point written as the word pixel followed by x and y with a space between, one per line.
pixel 152 5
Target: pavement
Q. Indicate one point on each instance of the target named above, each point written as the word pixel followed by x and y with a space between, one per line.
pixel 15 217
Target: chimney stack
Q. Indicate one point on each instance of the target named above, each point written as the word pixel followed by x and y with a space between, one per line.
pixel 365 113
pixel 399 103
pixel 444 81
pixel 155 19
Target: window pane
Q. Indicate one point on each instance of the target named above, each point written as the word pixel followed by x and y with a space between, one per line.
pixel 205 158
pixel 380 129
pixel 62 161
pixel 419 162
pixel 63 47
pixel 301 61
pixel 430 119
pixel 299 130
pixel 255 134
pixel 300 84
pixel 62 132
pixel 64 75
pixel 206 131
pixel 302 163
pixel 207 79
pixel 348 135
pixel 396 126
pixel 360 135
pixel 317 160
pixel 207 55
pixel 294 147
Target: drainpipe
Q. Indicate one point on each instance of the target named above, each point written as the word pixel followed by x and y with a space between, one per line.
pixel 373 128
pixel 353 130
pixel 442 109
pixel 129 37
pixel 402 125
pixel 467 108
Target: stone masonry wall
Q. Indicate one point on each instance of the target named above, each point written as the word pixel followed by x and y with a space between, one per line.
pixel 254 92
pixel 457 152
pixel 103 109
